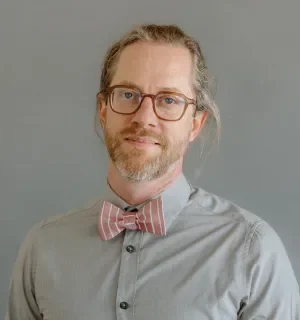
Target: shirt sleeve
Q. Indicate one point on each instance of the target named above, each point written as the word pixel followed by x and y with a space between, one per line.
pixel 22 304
pixel 272 288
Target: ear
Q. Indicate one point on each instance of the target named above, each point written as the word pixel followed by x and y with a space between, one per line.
pixel 101 108
pixel 198 122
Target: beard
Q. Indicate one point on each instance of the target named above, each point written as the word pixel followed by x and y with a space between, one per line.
pixel 137 165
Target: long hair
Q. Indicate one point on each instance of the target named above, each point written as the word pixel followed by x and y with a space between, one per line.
pixel 172 34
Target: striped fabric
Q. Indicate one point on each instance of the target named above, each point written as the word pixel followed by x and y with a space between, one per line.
pixel 113 220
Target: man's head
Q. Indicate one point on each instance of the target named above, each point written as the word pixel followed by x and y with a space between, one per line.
pixel 146 136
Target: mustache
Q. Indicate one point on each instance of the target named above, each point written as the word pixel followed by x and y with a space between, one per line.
pixel 142 132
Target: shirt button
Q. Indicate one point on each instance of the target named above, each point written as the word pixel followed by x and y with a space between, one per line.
pixel 124 305
pixel 130 248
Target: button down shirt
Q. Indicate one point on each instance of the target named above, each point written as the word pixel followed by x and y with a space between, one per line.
pixel 217 261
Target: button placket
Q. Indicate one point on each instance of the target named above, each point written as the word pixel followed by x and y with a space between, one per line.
pixel 128 275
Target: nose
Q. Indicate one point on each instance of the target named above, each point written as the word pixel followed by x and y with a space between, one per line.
pixel 145 115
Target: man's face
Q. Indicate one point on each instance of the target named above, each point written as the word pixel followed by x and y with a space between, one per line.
pixel 150 67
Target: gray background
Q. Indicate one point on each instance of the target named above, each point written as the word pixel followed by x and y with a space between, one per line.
pixel 51 160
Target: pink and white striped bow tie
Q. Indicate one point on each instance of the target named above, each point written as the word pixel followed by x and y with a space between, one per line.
pixel 113 220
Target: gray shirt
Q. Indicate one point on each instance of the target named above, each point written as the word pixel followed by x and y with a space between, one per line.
pixel 217 261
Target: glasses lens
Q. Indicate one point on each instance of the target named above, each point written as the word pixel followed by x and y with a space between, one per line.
pixel 125 100
pixel 169 106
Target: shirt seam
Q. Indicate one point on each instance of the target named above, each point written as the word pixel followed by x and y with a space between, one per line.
pixel 137 273
pixel 44 223
pixel 47 222
pixel 34 268
pixel 58 218
pixel 252 229
pixel 175 216
pixel 241 218
pixel 248 243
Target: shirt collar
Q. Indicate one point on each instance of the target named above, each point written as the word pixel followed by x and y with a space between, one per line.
pixel 174 198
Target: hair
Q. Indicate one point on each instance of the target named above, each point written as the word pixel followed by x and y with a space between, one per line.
pixel 174 35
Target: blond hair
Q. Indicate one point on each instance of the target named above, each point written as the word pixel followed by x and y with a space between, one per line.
pixel 171 34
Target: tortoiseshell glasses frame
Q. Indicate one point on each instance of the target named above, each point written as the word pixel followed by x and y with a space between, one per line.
pixel 186 101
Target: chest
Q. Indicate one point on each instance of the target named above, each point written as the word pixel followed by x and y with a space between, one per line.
pixel 139 276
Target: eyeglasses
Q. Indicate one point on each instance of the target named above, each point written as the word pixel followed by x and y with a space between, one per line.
pixel 169 106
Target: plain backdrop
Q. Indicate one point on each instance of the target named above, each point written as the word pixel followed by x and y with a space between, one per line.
pixel 52 161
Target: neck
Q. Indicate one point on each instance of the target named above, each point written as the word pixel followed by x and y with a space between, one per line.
pixel 135 193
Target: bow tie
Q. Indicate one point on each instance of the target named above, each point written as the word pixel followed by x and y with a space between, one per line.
pixel 113 220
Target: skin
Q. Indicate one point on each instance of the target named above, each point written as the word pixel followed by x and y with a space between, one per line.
pixel 139 170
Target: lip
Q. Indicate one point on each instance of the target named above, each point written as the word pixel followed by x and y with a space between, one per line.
pixel 142 140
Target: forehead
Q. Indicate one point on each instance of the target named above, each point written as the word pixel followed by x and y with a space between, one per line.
pixel 153 65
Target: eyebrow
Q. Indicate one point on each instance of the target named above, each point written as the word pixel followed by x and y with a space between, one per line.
pixel 170 89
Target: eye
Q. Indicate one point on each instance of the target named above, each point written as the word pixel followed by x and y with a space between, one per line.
pixel 166 100
pixel 169 100
pixel 128 94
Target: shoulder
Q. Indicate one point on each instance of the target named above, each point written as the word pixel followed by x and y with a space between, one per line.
pixel 65 223
pixel 268 271
pixel 212 204
pixel 264 245
pixel 263 250
pixel 73 214
pixel 258 234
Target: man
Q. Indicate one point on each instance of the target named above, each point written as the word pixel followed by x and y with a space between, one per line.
pixel 153 246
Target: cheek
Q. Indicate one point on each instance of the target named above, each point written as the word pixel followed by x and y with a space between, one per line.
pixel 172 135
pixel 115 122
pixel 177 132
